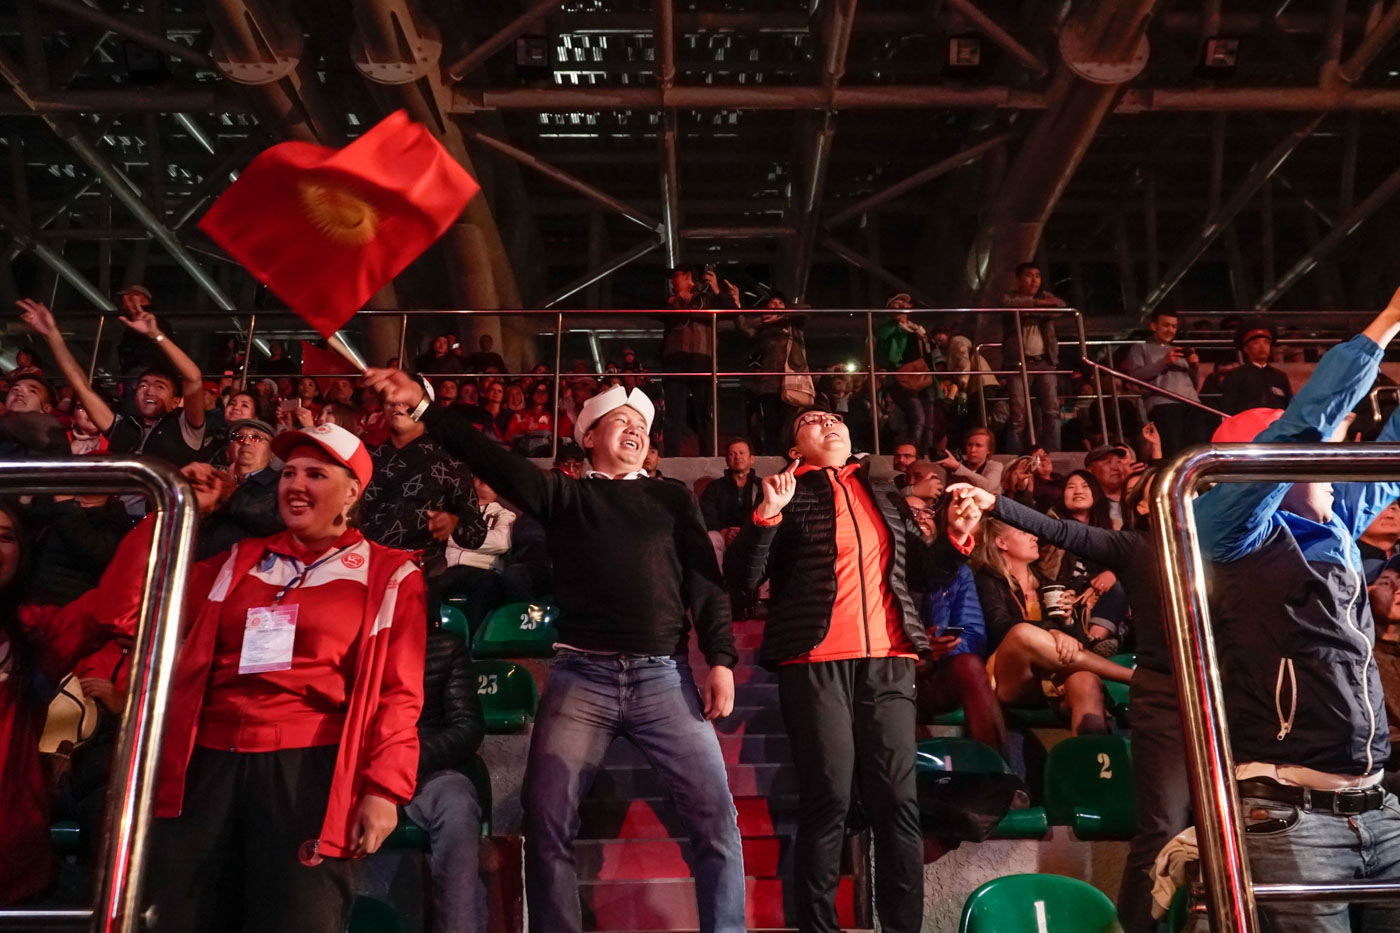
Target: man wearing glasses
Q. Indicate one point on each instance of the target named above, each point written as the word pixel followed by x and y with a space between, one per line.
pixel 250 487
pixel 844 644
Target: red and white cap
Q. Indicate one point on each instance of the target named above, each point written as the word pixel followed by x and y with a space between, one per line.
pixel 343 447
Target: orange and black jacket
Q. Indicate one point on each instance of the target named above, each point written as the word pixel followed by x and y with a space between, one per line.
pixel 818 559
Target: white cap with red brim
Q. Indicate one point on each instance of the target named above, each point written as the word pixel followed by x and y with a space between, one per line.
pixel 339 444
pixel 604 402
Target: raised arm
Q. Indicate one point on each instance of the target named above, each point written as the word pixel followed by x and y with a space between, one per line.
pixel 1235 518
pixel 1358 504
pixel 1112 549
pixel 513 476
pixel 192 381
pixel 40 320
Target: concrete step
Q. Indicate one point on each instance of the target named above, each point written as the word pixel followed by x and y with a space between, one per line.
pixel 656 818
pixel 744 780
pixel 737 749
pixel 641 859
pixel 669 904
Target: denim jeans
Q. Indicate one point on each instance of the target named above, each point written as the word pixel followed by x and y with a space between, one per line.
pixel 588 701
pixel 1045 389
pixel 1319 846
pixel 446 805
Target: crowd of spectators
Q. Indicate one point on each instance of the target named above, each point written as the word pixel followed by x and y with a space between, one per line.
pixel 1033 620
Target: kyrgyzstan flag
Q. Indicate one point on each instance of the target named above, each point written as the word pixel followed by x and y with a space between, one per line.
pixel 327 228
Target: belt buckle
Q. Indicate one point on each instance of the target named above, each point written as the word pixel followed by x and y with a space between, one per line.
pixel 1352 795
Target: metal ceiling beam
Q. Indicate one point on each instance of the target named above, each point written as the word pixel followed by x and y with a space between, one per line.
pixel 664 54
pixel 880 272
pixel 597 275
pixel 921 177
pixel 397 48
pixel 1325 246
pixel 1100 51
pixel 836 33
pixel 637 216
pixel 469 100
pixel 502 38
pixel 1215 224
pixel 121 187
pixel 1371 46
pixel 122 27
pixel 26 239
pixel 993 31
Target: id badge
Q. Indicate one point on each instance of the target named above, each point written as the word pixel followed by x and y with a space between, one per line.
pixel 268 638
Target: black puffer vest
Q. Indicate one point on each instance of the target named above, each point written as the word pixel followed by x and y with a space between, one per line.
pixel 798 557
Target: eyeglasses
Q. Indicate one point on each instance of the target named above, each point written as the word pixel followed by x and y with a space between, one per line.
pixel 243 437
pixel 822 418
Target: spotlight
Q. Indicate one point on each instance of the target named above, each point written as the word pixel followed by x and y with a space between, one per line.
pixel 1219 57
pixel 532 57
pixel 964 54
pixel 851 367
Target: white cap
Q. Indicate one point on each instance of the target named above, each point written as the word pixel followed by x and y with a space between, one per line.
pixel 342 446
pixel 604 402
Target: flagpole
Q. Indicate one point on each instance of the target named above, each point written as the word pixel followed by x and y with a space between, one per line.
pixel 339 346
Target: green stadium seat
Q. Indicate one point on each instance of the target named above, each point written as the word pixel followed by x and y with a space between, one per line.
pixel 409 835
pixel 1179 911
pixel 969 755
pixel 371 915
pixel 508 696
pixel 1038 904
pixel 454 620
pixel 517 630
pixel 65 837
pixel 1115 695
pixel 1089 787
pixel 954 717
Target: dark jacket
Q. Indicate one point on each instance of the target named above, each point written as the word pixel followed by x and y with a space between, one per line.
pixel 725 505
pixel 72 545
pixel 1252 386
pixel 798 557
pixel 1003 607
pixel 166 439
pixel 251 512
pixel 1288 601
pixel 450 727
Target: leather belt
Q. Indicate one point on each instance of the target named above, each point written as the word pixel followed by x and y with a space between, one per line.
pixel 1349 802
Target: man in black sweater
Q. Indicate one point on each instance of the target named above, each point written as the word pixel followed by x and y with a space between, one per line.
pixel 631 559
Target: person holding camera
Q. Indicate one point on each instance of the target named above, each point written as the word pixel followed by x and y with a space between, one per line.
pixel 1173 369
pixel 688 347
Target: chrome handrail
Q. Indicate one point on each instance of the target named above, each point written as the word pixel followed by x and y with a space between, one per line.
pixel 131 793
pixel 1230 891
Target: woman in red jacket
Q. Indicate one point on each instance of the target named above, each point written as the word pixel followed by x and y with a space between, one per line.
pixel 291 734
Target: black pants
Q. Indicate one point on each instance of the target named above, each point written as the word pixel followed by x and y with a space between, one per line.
pixel 1163 790
pixel 855 719
pixel 1180 426
pixel 229 861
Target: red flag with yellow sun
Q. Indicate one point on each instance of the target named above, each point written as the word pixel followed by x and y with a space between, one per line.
pixel 327 228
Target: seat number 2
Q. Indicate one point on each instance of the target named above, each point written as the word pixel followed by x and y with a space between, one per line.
pixel 1105 772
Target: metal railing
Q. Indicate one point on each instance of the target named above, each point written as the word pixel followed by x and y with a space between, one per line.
pixel 1230 891
pixel 132 788
pixel 561 319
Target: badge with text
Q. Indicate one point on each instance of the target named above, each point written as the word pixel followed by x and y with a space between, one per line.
pixel 268 638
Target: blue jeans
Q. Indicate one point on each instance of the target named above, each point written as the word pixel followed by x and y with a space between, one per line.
pixel 1045 390
pixel 446 805
pixel 588 701
pixel 1322 847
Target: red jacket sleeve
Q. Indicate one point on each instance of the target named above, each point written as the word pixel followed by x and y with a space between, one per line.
pixel 391 762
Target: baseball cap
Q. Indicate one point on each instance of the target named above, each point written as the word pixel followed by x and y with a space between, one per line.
pixel 1246 426
pixel 137 290
pixel 257 424
pixel 1107 450
pixel 339 444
